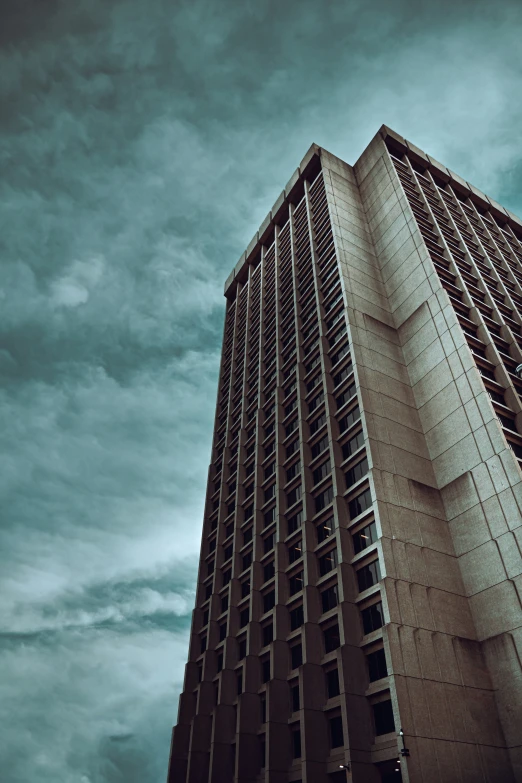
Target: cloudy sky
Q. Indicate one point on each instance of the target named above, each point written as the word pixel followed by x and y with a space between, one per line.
pixel 141 144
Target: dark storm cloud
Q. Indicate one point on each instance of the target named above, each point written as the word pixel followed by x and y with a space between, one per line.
pixel 141 144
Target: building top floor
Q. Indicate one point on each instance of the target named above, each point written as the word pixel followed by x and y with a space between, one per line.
pixel 310 166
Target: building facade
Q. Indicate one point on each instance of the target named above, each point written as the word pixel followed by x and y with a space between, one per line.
pixel 361 568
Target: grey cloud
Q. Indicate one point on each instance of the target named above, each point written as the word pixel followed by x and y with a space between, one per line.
pixel 118 604
pixel 141 144
pixel 79 705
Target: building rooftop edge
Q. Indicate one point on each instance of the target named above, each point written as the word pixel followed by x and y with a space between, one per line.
pixel 310 162
pixel 286 195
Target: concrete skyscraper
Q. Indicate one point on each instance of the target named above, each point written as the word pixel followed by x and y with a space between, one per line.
pixel 361 569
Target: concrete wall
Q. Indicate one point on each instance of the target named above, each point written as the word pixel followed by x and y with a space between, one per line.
pixel 452 583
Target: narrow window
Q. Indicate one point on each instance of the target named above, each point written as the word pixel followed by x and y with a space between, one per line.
pixel 268 543
pixel 332 683
pixel 316 424
pixel 328 562
pixel 332 639
pixel 269 516
pixel 350 418
pixel 293 496
pixel 269 493
pixel 356 473
pixel 383 717
pixel 342 374
pixel 295 551
pixel 268 571
pixel 372 617
pixel 296 655
pixel 368 575
pixel 296 618
pixel 346 395
pixel 325 529
pixel 293 470
pixel 336 732
pixel 329 598
pixel 269 601
pixel 323 499
pixel 320 446
pixel 359 504
pixel 377 668
pixel 296 743
pixel 268 634
pixel 296 583
pixel 294 522
pixel 321 472
pixel 364 537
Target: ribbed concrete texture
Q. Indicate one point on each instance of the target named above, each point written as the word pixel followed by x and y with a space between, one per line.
pixel 361 552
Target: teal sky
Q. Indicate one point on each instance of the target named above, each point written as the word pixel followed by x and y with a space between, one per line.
pixel 141 144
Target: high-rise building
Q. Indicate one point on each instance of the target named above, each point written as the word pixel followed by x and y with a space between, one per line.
pixel 361 569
